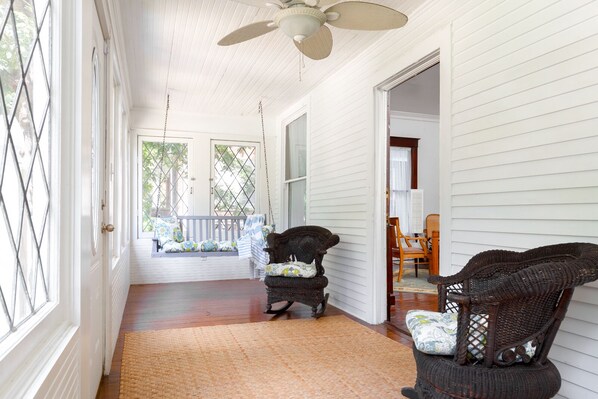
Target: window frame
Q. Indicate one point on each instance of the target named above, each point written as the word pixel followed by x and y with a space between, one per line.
pixel 25 355
pixel 139 206
pixel 258 181
pixel 283 165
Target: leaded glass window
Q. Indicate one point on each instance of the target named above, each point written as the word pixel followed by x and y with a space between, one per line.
pixel 164 175
pixel 25 160
pixel 234 180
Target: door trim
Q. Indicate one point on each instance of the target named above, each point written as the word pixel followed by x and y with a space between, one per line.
pixel 380 286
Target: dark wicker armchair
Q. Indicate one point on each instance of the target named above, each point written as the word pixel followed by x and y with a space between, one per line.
pixel 305 244
pixel 506 302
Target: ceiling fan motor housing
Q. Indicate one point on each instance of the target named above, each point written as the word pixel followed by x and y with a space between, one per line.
pixel 299 23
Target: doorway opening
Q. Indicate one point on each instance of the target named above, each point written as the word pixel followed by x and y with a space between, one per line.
pixel 412 101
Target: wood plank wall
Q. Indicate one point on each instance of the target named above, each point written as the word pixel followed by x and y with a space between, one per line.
pixel 523 153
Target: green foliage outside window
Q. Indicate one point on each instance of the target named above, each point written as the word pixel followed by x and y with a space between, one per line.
pixel 164 179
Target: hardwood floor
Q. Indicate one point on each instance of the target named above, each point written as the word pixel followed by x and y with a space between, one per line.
pixel 180 305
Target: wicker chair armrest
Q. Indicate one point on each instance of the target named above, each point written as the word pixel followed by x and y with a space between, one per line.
pixel 444 280
pixel 331 242
pixel 458 298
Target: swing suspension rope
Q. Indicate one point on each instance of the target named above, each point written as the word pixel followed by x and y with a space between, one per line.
pixel 270 213
pixel 161 163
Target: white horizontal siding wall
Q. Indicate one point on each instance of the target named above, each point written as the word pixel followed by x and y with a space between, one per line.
pixel 524 159
pixel 522 153
pixel 342 190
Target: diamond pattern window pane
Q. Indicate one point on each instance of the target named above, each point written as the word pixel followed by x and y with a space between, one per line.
pixel 41 6
pixel 38 88
pixel 234 180
pixel 3 11
pixel 10 65
pixel 165 190
pixel 24 16
pixel 24 164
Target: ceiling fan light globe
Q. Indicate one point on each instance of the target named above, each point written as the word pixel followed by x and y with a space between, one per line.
pixel 300 23
pixel 299 38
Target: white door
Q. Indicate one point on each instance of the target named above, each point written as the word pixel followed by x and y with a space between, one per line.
pixel 95 303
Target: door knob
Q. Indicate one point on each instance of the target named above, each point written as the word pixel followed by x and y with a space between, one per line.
pixel 107 228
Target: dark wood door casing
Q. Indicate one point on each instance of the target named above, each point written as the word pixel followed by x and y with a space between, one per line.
pixel 406 142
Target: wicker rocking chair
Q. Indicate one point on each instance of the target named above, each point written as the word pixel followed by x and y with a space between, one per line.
pixel 305 244
pixel 510 306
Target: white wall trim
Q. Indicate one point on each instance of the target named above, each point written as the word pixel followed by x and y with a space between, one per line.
pixel 414 116
pixel 445 149
pixel 117 45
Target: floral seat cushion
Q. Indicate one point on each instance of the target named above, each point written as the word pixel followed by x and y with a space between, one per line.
pixel 291 269
pixel 433 333
pixel 176 247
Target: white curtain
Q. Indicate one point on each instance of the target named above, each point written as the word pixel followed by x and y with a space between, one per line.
pixel 400 184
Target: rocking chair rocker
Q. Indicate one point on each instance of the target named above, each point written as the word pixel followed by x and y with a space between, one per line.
pixel 305 244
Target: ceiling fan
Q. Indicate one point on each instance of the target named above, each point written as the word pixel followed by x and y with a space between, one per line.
pixel 304 22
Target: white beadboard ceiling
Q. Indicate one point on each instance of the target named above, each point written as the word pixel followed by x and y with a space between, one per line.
pixel 204 78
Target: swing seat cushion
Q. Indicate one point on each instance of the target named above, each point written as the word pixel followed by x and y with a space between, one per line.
pixel 205 246
pixel 185 246
pixel 227 246
pixel 209 246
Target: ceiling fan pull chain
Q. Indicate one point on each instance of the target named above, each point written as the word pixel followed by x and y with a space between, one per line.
pixel 301 63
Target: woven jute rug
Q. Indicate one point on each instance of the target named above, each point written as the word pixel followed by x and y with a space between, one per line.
pixel 332 357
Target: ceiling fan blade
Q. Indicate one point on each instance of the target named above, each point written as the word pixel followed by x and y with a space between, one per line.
pixel 247 32
pixel 318 46
pixel 360 15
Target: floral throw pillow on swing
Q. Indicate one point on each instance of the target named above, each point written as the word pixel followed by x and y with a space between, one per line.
pixel 167 230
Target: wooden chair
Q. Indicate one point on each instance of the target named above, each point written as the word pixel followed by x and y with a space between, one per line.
pixel 432 234
pixel 509 309
pixel 432 224
pixel 405 250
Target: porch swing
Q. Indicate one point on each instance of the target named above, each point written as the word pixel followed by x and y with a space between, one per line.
pixel 210 236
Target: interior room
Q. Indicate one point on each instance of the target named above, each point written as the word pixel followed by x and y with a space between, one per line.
pixel 177 173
